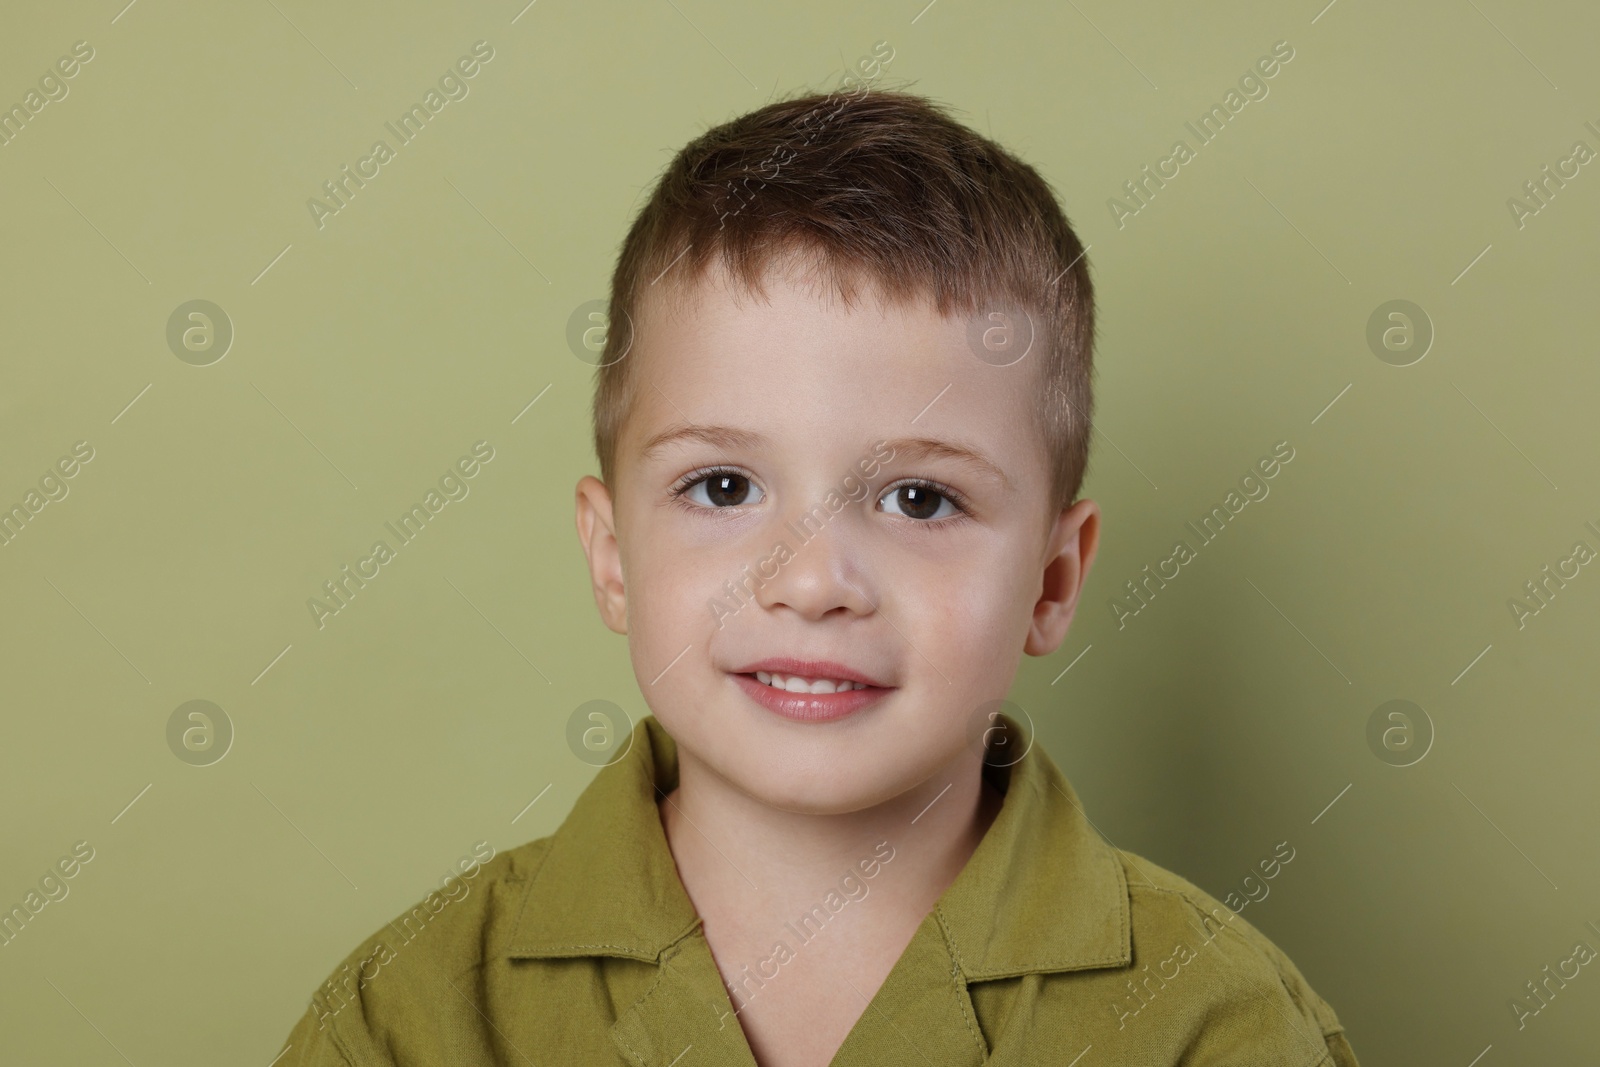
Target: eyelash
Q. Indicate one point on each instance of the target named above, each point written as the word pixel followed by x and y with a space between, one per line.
pixel 957 501
pixel 694 477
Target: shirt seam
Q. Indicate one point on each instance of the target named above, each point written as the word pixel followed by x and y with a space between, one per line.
pixel 959 985
pixel 664 957
pixel 1059 967
pixel 551 950
pixel 1124 919
pixel 639 952
pixel 661 975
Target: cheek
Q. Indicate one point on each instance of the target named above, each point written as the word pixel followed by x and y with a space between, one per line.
pixel 974 605
pixel 666 581
pixel 672 575
pixel 967 613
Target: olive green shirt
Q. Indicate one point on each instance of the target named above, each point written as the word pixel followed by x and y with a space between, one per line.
pixel 1050 947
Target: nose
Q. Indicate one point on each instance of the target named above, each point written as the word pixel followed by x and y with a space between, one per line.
pixel 827 570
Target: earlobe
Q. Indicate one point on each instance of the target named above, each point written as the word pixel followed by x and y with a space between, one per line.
pixel 1074 539
pixel 597 535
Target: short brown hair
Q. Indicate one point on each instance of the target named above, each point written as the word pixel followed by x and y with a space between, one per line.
pixel 876 183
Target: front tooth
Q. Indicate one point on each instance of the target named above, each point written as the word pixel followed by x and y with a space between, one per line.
pixel 797 684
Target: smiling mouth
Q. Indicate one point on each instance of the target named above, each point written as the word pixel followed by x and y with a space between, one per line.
pixel 794 683
pixel 807 698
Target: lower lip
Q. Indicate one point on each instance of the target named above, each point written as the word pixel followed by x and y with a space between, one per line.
pixel 810 707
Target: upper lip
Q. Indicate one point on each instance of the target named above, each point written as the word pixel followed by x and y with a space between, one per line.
pixel 810 668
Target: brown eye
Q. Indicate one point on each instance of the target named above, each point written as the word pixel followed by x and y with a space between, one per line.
pixel 920 502
pixel 723 489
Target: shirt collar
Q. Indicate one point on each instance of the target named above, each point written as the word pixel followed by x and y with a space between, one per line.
pixel 608 885
pixel 1042 891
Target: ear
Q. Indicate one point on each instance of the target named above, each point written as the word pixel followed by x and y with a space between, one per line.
pixel 597 532
pixel 1070 552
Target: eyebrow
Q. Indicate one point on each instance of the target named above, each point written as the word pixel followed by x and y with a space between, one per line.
pixel 931 448
pixel 717 436
pixel 914 448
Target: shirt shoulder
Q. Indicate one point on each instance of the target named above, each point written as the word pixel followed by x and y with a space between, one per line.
pixel 1253 995
pixel 394 978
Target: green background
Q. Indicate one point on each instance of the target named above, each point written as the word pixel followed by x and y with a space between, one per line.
pixel 371 354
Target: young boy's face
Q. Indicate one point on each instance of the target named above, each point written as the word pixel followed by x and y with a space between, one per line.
pixel 931 596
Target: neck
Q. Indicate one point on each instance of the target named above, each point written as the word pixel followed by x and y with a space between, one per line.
pixel 753 866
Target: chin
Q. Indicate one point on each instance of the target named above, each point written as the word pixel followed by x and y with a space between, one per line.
pixel 824 795
pixel 810 798
pixel 835 774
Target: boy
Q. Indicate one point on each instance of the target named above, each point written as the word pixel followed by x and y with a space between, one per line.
pixel 841 426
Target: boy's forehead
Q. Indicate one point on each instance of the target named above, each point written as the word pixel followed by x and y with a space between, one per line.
pixel 799 364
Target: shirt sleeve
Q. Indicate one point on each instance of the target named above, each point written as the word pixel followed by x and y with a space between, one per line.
pixel 1304 1002
pixel 1264 1011
pixel 1312 1006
